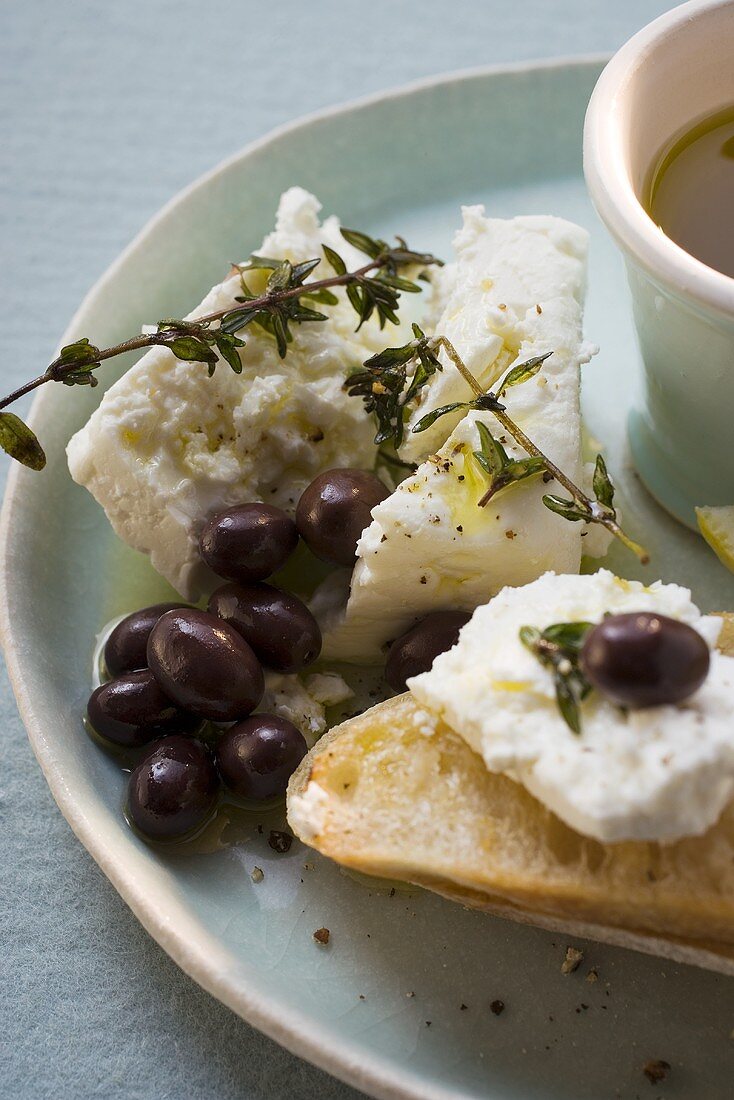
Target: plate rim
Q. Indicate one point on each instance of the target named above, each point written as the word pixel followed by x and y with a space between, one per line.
pixel 292 1029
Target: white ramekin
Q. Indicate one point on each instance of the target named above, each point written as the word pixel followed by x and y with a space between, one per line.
pixel 669 76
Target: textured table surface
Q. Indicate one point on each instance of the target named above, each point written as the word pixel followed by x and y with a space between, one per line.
pixel 106 110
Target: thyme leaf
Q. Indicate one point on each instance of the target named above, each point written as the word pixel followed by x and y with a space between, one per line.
pixel 363 243
pixel 387 388
pixel 602 484
pixel 335 260
pixel 558 648
pixel 522 373
pixel 192 349
pixel 502 470
pixel 76 362
pixel 227 347
pixel 435 414
pixel 389 459
pixel 322 297
pixel 18 441
pixel 568 509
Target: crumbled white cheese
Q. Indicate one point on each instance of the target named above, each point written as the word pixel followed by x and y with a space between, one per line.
pixel 652 774
pixel 304 703
pixel 286 695
pixel 328 688
pixel 429 545
pixel 168 446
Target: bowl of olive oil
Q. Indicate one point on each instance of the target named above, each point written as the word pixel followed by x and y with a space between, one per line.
pixel 659 165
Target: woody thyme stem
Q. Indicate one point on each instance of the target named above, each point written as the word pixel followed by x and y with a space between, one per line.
pixel 56 370
pixel 597 513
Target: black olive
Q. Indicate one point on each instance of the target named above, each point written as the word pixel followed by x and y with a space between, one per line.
pixel 642 659
pixel 334 511
pixel 133 709
pixel 173 790
pixel 126 647
pixel 416 650
pixel 257 757
pixel 248 542
pixel 281 630
pixel 204 665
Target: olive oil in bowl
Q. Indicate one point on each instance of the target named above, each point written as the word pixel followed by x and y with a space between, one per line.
pixel 691 196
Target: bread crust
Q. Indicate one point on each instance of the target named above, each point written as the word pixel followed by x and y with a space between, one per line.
pixel 504 853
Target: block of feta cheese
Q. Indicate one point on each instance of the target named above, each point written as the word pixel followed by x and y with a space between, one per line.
pixel 168 446
pixel 514 291
pixel 658 773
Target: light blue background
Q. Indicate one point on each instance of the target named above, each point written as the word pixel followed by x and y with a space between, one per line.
pixel 106 110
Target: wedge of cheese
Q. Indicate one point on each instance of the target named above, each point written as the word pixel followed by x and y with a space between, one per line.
pixel 515 291
pixel 168 446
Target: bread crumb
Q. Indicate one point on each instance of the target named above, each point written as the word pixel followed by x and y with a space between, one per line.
pixel 572 961
pixel 279 841
pixel 425 723
pixel 322 936
pixel 257 874
pixel 593 975
pixel 656 1070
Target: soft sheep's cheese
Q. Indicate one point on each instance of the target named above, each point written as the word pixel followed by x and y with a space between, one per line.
pixel 429 545
pixel 654 774
pixel 516 290
pixel 168 446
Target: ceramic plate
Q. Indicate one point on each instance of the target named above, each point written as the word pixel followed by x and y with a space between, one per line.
pixel 398 1004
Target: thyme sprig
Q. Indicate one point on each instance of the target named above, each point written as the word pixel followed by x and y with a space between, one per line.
pixel 288 299
pixel 558 648
pixel 388 389
pixel 502 470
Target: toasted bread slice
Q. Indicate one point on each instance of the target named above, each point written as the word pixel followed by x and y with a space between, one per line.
pixel 396 794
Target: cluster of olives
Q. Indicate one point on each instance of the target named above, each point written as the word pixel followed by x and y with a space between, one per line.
pixel 179 673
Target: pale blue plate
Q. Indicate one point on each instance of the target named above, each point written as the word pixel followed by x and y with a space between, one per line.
pixel 398 163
